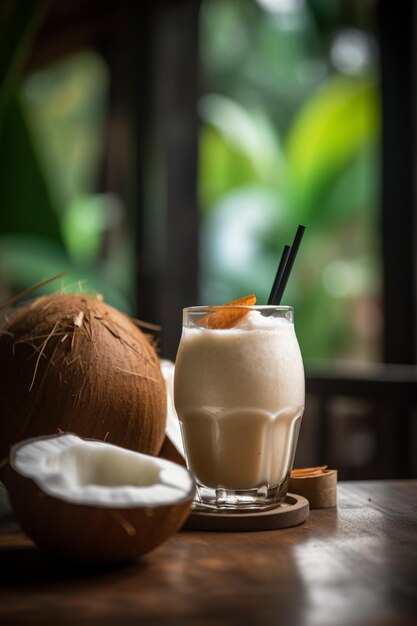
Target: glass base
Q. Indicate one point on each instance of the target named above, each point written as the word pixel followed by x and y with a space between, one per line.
pixel 258 498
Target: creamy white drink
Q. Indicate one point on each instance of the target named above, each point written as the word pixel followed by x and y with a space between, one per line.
pixel 239 395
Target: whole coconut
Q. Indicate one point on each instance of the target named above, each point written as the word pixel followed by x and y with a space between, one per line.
pixel 73 363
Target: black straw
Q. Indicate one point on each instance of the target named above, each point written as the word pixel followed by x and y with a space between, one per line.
pixel 278 276
pixel 288 265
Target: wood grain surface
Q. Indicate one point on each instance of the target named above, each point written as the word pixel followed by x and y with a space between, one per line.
pixel 354 564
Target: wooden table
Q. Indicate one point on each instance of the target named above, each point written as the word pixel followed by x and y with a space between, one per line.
pixel 356 564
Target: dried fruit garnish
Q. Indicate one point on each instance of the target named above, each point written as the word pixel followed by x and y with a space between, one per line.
pixel 308 472
pixel 227 317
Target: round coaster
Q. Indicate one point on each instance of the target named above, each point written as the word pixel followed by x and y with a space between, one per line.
pixel 293 511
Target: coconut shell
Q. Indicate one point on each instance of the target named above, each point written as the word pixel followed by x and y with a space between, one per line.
pixel 170 452
pixel 91 534
pixel 73 363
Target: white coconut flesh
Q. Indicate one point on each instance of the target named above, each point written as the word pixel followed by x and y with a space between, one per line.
pixel 173 429
pixel 95 473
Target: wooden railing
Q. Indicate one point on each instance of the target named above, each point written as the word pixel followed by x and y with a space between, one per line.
pixel 362 421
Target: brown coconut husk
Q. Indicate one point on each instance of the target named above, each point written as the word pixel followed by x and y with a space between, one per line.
pixel 70 362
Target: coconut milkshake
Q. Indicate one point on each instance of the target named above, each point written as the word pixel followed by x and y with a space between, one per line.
pixel 239 395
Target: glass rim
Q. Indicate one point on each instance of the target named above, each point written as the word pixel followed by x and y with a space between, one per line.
pixel 250 307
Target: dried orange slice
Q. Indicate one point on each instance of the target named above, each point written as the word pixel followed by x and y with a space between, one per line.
pixel 308 472
pixel 227 317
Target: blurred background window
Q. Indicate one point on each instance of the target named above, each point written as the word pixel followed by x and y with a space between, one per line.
pixel 163 152
pixel 291 134
pixel 57 215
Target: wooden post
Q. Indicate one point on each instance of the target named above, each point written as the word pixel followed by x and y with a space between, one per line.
pixel 397 26
pixel 166 112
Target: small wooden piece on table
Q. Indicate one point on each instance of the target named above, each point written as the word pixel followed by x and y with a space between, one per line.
pixel 317 484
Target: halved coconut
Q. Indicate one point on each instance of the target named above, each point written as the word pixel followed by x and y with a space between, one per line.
pixel 92 501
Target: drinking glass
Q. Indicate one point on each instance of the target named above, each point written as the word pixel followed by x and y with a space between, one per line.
pixel 239 395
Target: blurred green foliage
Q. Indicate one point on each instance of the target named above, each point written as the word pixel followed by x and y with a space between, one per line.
pixel 26 202
pixel 290 132
pixel 51 144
